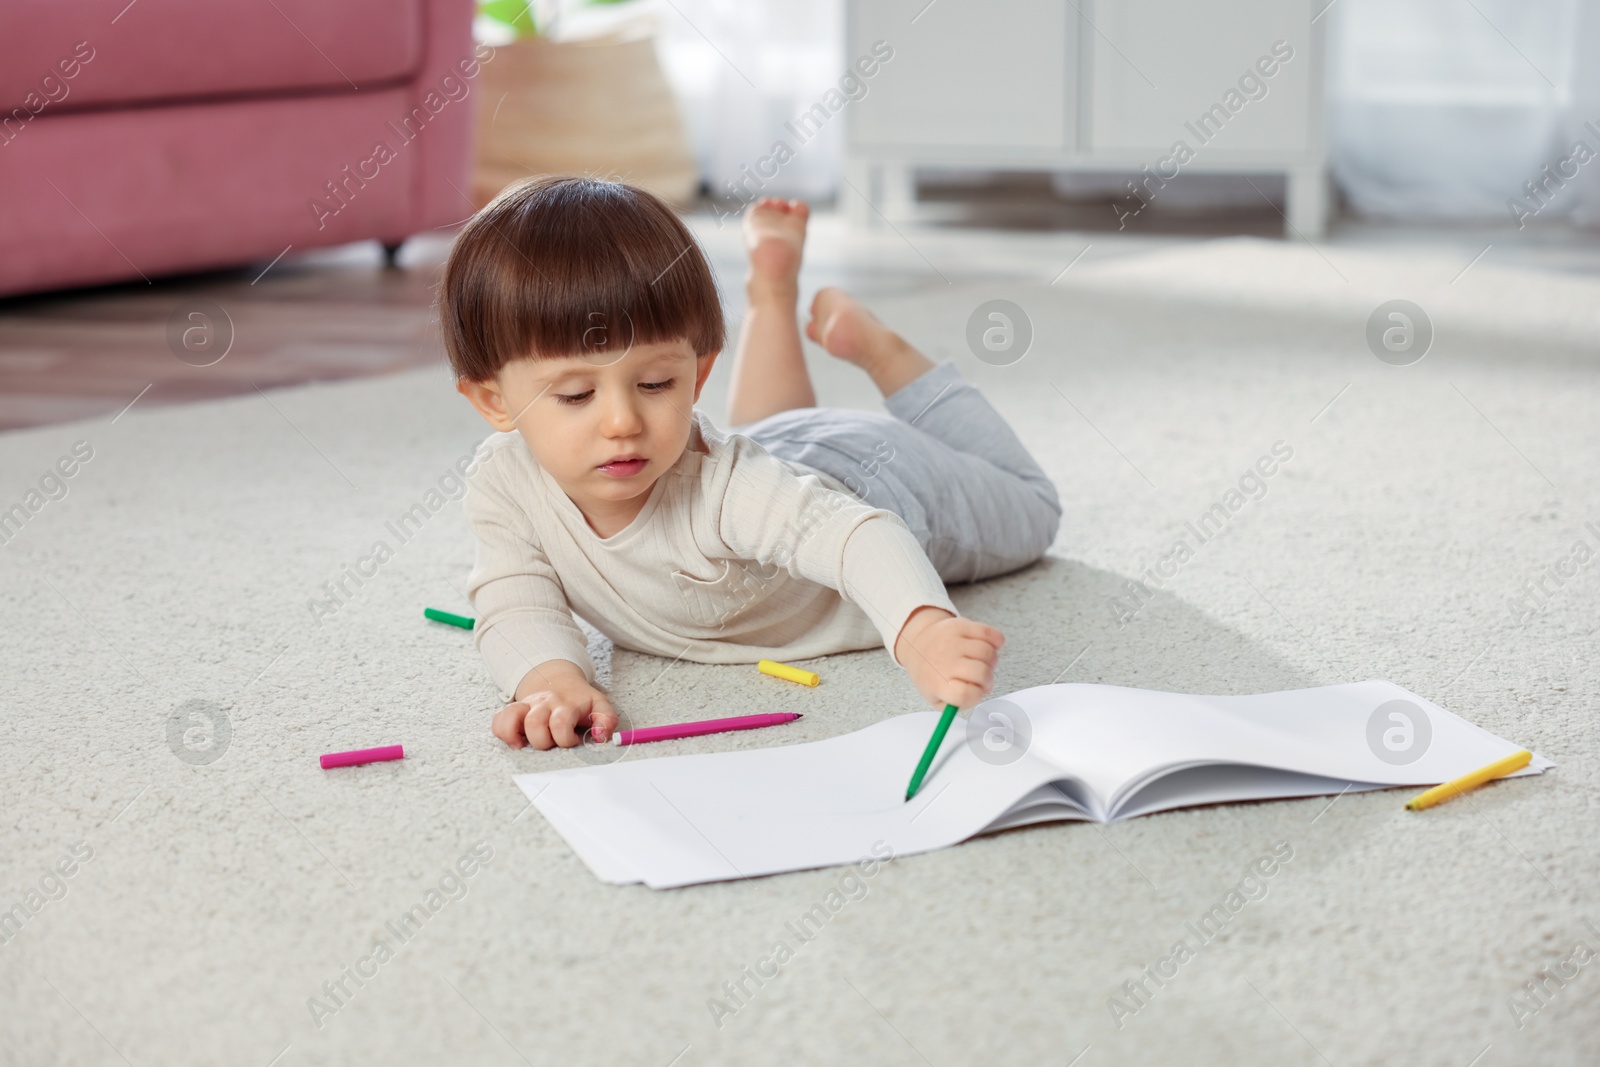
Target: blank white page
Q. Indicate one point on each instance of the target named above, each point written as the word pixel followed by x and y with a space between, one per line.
pixel 688 819
pixel 682 820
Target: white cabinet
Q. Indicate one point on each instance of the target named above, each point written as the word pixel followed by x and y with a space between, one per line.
pixel 1098 84
pixel 959 90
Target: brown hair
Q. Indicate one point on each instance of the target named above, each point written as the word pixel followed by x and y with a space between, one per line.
pixel 570 266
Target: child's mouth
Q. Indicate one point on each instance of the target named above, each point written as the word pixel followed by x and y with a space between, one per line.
pixel 625 468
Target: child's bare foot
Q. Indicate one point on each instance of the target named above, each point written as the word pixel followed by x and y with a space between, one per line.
pixel 844 327
pixel 850 332
pixel 775 237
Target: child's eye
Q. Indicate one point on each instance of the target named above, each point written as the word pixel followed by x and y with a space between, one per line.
pixel 578 398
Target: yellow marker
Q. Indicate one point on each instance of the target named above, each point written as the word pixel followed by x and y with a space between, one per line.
pixel 788 673
pixel 1498 769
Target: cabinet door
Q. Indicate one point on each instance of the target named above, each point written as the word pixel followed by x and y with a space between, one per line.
pixel 1157 64
pixel 965 73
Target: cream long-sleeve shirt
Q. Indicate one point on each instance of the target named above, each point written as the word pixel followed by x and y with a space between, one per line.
pixel 736 556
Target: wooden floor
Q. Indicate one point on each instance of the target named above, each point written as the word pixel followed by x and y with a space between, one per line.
pixel 330 314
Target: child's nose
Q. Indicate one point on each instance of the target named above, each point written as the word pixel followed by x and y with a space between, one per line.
pixel 621 415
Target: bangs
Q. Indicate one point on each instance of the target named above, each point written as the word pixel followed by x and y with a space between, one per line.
pixel 557 267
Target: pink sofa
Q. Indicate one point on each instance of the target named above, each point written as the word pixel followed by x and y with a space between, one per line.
pixel 177 135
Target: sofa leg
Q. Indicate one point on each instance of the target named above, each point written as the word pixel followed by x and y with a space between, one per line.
pixel 391 254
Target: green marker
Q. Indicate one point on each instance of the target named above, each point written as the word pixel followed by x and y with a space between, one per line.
pixel 939 731
pixel 444 616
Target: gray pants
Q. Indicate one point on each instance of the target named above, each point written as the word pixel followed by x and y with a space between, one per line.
pixel 943 460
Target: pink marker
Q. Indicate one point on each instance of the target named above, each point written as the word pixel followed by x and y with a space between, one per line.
pixel 707 726
pixel 363 755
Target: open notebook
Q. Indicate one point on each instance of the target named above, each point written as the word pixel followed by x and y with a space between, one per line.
pixel 1094 752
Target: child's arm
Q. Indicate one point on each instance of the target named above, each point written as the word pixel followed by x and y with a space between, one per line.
pixel 870 556
pixel 533 648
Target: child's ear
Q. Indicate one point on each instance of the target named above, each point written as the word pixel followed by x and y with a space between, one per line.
pixel 702 370
pixel 486 397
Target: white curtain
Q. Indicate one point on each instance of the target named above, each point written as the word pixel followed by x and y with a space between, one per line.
pixel 741 69
pixel 1583 118
pixel 1445 108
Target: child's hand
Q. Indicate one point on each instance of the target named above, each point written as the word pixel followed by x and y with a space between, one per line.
pixel 558 705
pixel 950 659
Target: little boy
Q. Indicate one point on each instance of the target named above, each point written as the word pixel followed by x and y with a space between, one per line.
pixel 582 320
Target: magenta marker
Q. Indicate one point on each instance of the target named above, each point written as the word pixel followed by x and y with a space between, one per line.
pixel 363 755
pixel 705 726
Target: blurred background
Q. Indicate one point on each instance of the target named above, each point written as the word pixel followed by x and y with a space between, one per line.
pixel 1166 238
pixel 317 157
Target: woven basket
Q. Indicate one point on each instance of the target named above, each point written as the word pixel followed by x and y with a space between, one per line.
pixel 600 108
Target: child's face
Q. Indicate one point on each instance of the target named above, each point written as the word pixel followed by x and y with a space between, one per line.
pixel 580 415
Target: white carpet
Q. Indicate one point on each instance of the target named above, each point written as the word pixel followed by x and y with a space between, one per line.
pixel 221 896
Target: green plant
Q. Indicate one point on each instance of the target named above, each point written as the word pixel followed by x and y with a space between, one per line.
pixel 516 15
